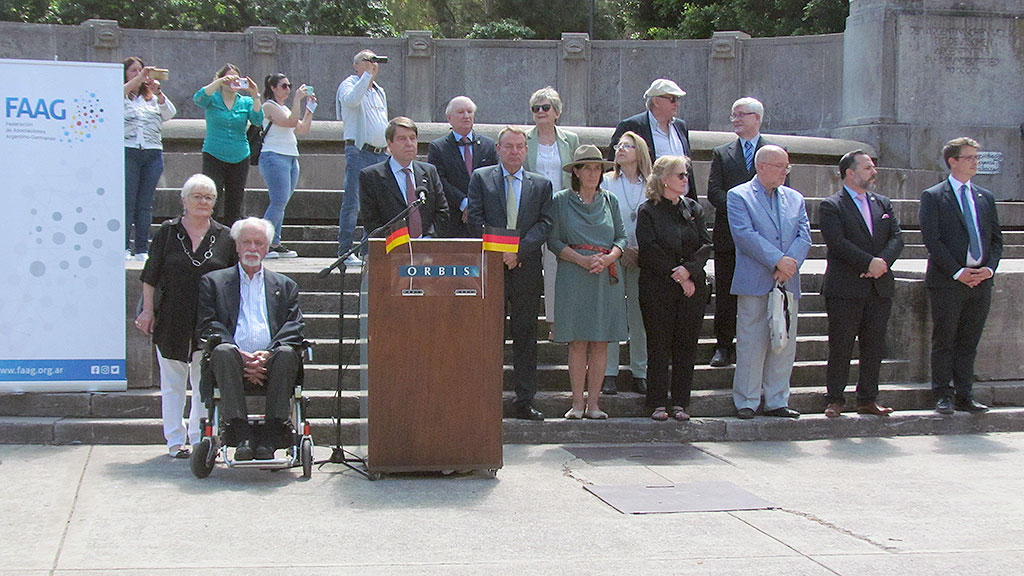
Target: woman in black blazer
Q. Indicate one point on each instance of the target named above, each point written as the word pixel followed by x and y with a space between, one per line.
pixel 674 247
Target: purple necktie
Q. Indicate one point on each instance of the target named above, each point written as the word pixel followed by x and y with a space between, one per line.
pixel 865 211
pixel 415 222
pixel 467 155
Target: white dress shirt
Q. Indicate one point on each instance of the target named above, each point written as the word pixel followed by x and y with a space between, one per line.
pixel 956 184
pixel 665 144
pixel 252 332
pixel 363 106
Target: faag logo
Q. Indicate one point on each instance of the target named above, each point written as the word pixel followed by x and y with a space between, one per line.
pixel 85 119
pixel 15 107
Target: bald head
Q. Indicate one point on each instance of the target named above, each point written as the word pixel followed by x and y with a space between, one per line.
pixel 772 163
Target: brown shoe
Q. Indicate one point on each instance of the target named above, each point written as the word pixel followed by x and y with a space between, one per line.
pixel 875 409
pixel 833 410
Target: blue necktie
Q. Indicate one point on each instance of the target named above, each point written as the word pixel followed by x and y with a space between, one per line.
pixel 748 153
pixel 972 230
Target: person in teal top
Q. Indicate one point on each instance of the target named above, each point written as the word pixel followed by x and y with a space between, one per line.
pixel 225 147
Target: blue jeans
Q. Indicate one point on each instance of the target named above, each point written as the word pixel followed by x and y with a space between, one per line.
pixel 281 173
pixel 142 170
pixel 355 160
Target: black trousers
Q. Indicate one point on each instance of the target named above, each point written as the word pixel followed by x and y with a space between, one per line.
pixel 856 319
pixel 230 180
pixel 282 369
pixel 523 288
pixel 725 303
pixel 672 322
pixel 958 318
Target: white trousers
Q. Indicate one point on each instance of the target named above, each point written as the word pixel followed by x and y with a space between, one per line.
pixel 635 324
pixel 174 378
pixel 757 366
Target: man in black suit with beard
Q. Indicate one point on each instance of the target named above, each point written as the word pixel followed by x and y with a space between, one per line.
pixel 456 155
pixel 864 239
pixel 732 164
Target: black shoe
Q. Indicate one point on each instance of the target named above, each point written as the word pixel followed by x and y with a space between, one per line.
pixel 528 412
pixel 944 405
pixel 244 451
pixel 744 413
pixel 721 358
pixel 640 385
pixel 784 412
pixel 971 405
pixel 609 387
pixel 264 453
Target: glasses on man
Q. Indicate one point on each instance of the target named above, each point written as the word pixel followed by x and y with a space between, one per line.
pixel 672 99
pixel 740 115
pixel 538 107
pixel 787 167
pixel 971 158
pixel 624 146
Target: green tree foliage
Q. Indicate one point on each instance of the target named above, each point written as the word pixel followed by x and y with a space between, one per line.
pixel 658 19
pixel 504 29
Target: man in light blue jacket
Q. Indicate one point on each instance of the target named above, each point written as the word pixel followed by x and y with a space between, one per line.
pixel 772 234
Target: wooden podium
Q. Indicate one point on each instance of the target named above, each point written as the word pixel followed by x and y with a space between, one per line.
pixel 435 334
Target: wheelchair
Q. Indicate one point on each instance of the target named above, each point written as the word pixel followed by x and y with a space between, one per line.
pixel 217 438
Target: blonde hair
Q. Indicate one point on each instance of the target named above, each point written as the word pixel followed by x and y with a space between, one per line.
pixel 643 156
pixel 663 167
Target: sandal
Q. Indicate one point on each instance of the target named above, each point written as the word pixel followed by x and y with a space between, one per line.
pixel 574 414
pixel 678 413
pixel 659 414
pixel 181 453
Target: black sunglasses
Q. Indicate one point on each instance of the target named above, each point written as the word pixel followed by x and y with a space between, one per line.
pixel 672 99
pixel 539 107
pixel 285 85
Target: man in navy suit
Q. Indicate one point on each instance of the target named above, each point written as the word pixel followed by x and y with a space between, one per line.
pixel 732 164
pixel 664 134
pixel 960 228
pixel 387 188
pixel 864 239
pixel 507 196
pixel 769 226
pixel 455 156
pixel 253 313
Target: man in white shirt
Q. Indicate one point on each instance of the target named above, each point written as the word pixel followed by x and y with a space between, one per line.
pixel 362 105
pixel 253 316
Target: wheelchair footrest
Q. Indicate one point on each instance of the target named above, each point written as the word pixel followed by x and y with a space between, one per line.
pixel 285 462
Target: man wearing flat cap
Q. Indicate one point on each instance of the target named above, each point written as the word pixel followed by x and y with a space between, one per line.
pixel 665 134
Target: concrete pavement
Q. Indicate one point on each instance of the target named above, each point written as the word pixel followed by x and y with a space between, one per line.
pixel 907 505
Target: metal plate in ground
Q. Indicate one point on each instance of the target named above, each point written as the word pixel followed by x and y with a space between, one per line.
pixel 690 497
pixel 644 454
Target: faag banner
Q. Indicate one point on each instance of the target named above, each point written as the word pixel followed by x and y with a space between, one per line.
pixel 62 323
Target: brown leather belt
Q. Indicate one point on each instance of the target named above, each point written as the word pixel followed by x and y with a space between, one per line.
pixel 366 147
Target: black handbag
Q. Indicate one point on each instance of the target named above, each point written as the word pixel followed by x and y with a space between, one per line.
pixel 255 135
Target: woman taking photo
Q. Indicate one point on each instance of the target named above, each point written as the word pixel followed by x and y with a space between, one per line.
pixel 548 147
pixel 145 110
pixel 184 248
pixel 627 182
pixel 590 306
pixel 279 160
pixel 225 148
pixel 674 247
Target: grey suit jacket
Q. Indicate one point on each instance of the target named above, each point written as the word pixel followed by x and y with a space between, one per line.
pixel 487 208
pixel 220 298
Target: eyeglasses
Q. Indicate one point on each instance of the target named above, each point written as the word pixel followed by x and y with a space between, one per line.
pixel 672 99
pixel 972 158
pixel 621 146
pixel 538 107
pixel 740 115
pixel 787 167
pixel 285 85
pixel 202 198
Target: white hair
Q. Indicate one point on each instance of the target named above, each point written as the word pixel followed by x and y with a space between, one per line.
pixel 198 182
pixel 751 104
pixel 458 100
pixel 361 55
pixel 239 225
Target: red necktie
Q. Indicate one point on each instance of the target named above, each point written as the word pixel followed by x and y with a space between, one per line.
pixel 468 154
pixel 415 222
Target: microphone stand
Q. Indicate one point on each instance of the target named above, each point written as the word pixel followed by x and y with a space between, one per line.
pixel 338 454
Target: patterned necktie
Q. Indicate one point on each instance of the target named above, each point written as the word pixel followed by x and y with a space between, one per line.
pixel 415 221
pixel 511 206
pixel 974 248
pixel 865 212
pixel 467 147
pixel 748 153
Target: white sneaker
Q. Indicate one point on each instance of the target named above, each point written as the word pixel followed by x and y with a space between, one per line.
pixel 127 255
pixel 353 260
pixel 280 251
pixel 142 257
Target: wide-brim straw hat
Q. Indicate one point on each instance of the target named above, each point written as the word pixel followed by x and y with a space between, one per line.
pixel 586 154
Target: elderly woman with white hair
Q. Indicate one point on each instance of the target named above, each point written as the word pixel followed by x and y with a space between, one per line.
pixel 183 250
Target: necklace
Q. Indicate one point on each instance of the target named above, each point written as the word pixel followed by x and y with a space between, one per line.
pixel 633 206
pixel 206 255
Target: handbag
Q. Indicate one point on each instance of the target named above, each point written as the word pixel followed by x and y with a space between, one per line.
pixel 255 135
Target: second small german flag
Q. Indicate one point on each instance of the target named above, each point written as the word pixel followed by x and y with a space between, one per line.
pixel 396 239
pixel 500 240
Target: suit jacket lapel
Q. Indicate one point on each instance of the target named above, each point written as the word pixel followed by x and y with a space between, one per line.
pixel 762 197
pixel 271 291
pixel 951 196
pixel 233 297
pixel 736 152
pixel 499 185
pixel 390 181
pixel 851 207
pixel 524 196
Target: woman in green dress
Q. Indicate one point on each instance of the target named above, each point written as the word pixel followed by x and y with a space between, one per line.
pixel 590 307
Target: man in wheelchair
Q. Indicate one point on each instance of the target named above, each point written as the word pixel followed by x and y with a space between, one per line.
pixel 252 316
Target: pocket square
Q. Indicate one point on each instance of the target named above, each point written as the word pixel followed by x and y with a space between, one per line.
pixel 884 216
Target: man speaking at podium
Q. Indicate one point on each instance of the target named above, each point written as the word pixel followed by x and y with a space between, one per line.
pixel 506 196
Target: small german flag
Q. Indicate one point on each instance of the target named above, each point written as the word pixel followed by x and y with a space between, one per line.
pixel 396 239
pixel 500 240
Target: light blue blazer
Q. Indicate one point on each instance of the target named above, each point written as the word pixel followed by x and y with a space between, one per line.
pixel 762 237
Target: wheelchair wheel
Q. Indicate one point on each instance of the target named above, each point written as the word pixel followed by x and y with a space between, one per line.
pixel 202 458
pixel 306 455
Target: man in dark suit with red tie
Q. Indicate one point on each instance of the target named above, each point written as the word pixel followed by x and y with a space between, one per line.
pixel 455 156
pixel 960 228
pixel 864 239
pixel 387 188
pixel 732 164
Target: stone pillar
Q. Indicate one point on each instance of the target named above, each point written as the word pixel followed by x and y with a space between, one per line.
pixel 263 54
pixel 419 82
pixel 574 79
pixel 104 40
pixel 725 77
pixel 917 73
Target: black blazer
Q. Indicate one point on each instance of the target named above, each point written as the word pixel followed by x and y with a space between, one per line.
pixel 220 298
pixel 380 198
pixel 728 170
pixel 945 232
pixel 641 124
pixel 670 235
pixel 446 155
pixel 487 207
pixel 851 247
